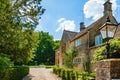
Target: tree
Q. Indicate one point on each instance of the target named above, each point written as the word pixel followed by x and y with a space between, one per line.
pixel 56 44
pixel 18 19
pixel 5 65
pixel 27 12
pixel 45 50
pixel 70 54
pixel 100 53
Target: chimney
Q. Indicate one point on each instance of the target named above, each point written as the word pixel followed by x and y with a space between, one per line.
pixel 107 8
pixel 82 26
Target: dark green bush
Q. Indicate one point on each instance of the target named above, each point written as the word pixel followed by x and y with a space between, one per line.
pixel 48 66
pixel 63 73
pixel 19 73
pixel 55 69
pixel 5 73
pixel 59 72
pixel 72 75
pixel 15 73
pixel 8 72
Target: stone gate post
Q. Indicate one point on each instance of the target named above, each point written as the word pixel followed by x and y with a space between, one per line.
pixel 108 69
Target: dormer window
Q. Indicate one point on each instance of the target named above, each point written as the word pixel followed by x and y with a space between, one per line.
pixel 77 42
pixel 98 40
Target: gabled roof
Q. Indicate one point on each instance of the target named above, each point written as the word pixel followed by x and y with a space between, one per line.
pixel 97 22
pixel 67 36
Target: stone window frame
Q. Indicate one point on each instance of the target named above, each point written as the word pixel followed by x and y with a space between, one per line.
pixel 77 60
pixel 77 42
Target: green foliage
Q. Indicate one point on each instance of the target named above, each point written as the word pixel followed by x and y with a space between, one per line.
pixel 48 66
pixel 5 62
pixel 24 50
pixel 45 53
pixel 5 74
pixel 56 44
pixel 100 53
pixel 69 74
pixel 18 19
pixel 19 73
pixel 115 48
pixel 55 69
pixel 14 73
pixel 69 56
pixel 8 72
pixel 27 12
pixel 86 76
pixel 5 68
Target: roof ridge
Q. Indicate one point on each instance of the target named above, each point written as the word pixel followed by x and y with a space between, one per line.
pixel 70 31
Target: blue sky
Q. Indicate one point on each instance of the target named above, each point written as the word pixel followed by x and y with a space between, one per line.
pixel 67 14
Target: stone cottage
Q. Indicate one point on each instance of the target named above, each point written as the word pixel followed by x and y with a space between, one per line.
pixel 86 41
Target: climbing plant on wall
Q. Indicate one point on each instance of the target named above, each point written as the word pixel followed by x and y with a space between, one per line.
pixel 70 54
pixel 100 53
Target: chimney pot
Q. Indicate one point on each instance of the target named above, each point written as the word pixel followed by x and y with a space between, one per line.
pixel 82 26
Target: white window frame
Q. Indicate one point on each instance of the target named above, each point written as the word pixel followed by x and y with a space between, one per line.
pixel 98 40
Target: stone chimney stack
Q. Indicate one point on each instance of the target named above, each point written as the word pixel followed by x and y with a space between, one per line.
pixel 82 26
pixel 107 8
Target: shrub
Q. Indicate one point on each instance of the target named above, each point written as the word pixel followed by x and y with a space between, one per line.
pixel 48 66
pixel 92 76
pixel 63 73
pixel 8 72
pixel 19 73
pixel 73 75
pixel 100 53
pixel 69 74
pixel 86 76
pixel 5 74
pixel 5 68
pixel 59 72
pixel 55 69
pixel 70 54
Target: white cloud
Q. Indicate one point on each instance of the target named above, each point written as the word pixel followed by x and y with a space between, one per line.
pixel 94 8
pixel 60 20
pixel 65 25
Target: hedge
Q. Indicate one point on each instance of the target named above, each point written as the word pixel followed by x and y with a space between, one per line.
pixel 5 73
pixel 14 73
pixel 69 74
pixel 19 73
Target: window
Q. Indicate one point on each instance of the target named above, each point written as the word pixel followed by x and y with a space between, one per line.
pixel 77 42
pixel 77 61
pixel 98 40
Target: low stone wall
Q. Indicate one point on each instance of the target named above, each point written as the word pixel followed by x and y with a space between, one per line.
pixel 108 69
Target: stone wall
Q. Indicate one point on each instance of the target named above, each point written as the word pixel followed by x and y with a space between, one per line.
pixel 82 52
pixel 117 34
pixel 108 69
pixel 57 57
pixel 91 53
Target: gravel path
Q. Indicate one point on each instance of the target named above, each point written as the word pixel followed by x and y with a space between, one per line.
pixel 41 74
